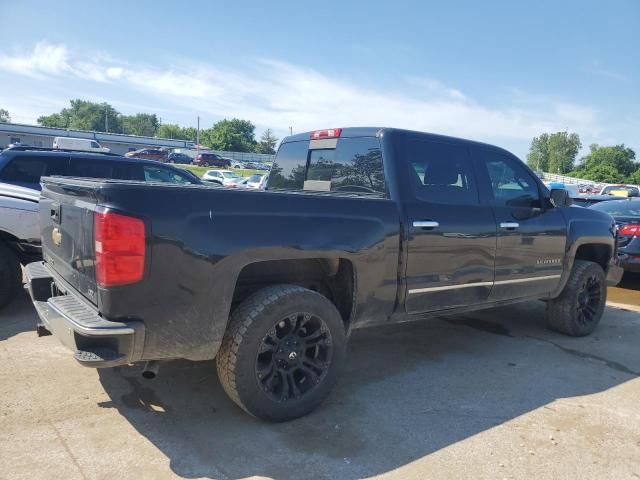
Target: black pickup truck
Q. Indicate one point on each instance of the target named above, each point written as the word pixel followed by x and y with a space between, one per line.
pixel 358 227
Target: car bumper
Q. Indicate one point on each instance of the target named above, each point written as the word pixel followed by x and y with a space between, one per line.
pixel 97 342
pixel 630 263
pixel 614 272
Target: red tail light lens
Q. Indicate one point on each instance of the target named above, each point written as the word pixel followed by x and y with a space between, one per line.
pixel 630 229
pixel 120 249
pixel 330 133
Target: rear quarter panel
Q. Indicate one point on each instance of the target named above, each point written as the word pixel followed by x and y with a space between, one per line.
pixel 202 237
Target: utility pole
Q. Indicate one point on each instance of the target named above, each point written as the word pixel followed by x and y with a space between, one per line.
pixel 198 134
pixel 290 131
pixel 106 119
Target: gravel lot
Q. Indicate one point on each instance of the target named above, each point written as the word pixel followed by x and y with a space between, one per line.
pixel 485 395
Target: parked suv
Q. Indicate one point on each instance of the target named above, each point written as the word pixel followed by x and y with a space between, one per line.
pixel 23 166
pixel 149 154
pixel 211 160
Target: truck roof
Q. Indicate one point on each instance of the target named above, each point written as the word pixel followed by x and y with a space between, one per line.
pixel 375 131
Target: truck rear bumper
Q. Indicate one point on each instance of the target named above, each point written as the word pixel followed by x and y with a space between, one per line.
pixel 97 342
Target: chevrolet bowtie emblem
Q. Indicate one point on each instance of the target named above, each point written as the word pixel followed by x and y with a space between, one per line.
pixel 56 236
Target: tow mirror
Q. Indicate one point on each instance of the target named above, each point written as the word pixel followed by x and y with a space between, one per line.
pixel 560 198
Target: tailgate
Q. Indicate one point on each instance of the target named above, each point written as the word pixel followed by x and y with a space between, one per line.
pixel 66 227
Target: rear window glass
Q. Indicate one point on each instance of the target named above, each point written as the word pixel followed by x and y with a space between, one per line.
pixel 28 169
pixel 289 167
pixel 164 175
pixel 354 166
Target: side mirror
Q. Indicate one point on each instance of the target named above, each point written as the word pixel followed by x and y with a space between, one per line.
pixel 560 198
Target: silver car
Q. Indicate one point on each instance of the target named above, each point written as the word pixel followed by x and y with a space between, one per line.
pixel 19 236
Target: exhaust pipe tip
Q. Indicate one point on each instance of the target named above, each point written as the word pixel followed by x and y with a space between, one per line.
pixel 150 370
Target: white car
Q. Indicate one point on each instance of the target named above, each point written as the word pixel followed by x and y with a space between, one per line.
pixel 254 181
pixel 226 178
pixel 19 236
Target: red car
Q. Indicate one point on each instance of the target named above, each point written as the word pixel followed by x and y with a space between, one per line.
pixel 149 154
pixel 211 160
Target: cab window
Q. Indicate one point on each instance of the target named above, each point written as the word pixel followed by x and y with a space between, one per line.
pixel 29 169
pixel 511 183
pixel 163 175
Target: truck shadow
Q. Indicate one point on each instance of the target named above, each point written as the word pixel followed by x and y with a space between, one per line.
pixel 16 317
pixel 407 391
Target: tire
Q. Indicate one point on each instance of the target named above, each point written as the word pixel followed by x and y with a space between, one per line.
pixel 256 362
pixel 10 275
pixel 578 309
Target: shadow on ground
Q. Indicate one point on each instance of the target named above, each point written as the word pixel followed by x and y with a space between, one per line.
pixel 408 390
pixel 17 317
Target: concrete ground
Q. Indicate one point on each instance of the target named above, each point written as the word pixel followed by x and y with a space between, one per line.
pixel 485 395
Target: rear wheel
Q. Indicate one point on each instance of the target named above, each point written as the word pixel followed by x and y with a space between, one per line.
pixel 282 352
pixel 10 275
pixel 579 308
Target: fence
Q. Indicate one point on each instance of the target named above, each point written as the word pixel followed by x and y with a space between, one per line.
pixel 553 177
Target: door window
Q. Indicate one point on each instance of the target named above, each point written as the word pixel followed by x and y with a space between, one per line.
pixel 153 173
pixel 440 172
pixel 91 168
pixel 511 184
pixel 29 169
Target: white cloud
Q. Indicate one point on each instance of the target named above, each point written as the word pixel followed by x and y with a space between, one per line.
pixel 44 59
pixel 278 94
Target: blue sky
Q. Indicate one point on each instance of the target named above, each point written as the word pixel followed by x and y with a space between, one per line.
pixel 495 71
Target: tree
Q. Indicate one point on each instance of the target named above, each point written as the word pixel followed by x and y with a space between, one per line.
pixel 142 124
pixel 555 152
pixel 85 115
pixel 4 116
pixel 267 143
pixel 175 131
pixel 611 164
pixel 232 135
pixel 619 157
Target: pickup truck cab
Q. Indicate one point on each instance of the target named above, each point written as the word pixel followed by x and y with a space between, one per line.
pixel 357 227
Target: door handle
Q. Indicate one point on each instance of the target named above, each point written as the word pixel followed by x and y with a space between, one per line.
pixel 425 224
pixel 509 225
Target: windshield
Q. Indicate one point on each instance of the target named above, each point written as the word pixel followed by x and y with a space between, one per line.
pixel 230 175
pixel 625 208
pixel 631 191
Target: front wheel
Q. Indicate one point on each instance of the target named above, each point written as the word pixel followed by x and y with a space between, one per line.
pixel 282 352
pixel 579 308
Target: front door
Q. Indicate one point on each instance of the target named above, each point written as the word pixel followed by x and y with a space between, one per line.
pixel 531 233
pixel 452 237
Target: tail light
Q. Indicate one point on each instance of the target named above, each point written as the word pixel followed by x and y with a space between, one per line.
pixel 330 133
pixel 120 249
pixel 631 230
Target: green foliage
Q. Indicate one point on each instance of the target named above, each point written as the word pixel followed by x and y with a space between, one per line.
pixel 555 152
pixel 142 124
pixel 233 135
pixel 175 131
pixel 267 143
pixel 85 115
pixel 4 116
pixel 609 164
pixel 619 157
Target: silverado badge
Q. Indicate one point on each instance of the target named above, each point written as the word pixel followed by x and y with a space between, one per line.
pixel 56 236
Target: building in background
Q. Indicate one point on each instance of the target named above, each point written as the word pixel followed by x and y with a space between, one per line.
pixel 37 136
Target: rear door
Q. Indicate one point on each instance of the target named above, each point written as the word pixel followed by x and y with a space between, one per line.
pixel 452 236
pixel 531 234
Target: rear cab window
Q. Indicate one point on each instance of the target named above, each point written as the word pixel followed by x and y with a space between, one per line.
pixel 346 164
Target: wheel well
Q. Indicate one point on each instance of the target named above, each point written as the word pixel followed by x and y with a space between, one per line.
pixel 331 277
pixel 597 253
